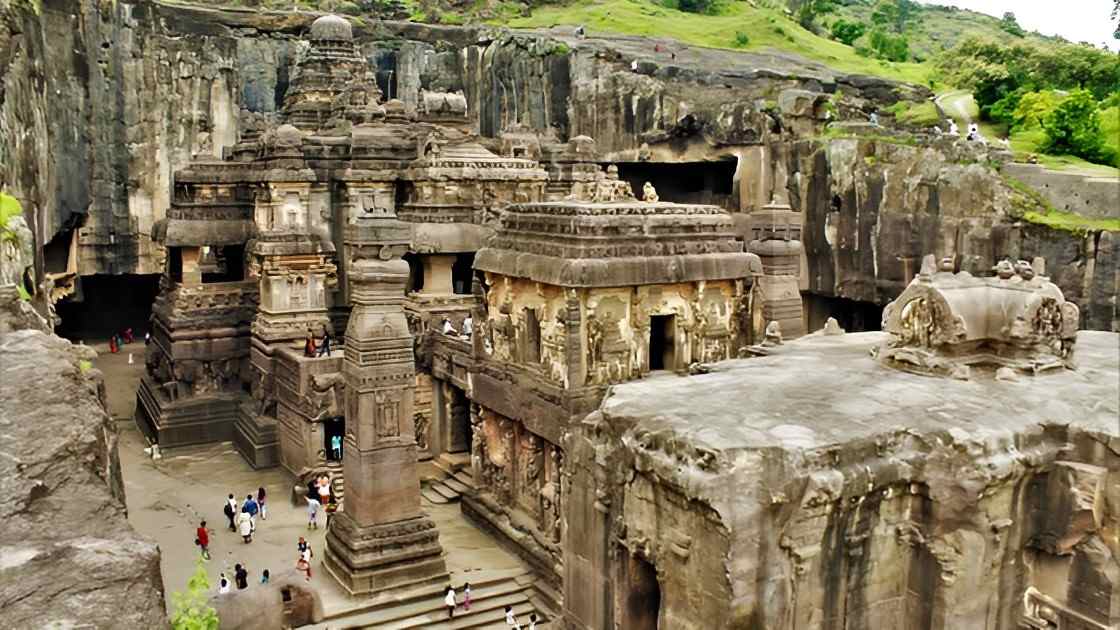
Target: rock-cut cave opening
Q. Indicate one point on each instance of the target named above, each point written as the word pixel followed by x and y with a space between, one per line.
pixel 684 182
pixel 106 304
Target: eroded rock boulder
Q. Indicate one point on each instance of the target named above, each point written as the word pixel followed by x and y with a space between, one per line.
pixel 68 557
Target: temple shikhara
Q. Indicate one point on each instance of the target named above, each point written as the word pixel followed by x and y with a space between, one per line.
pixel 511 363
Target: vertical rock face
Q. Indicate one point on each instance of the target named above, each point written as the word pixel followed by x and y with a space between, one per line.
pixel 872 209
pixel 70 558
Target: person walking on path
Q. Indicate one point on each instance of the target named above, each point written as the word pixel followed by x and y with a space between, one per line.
pixel 312 512
pixel 240 577
pixel 261 504
pixel 449 601
pixel 202 539
pixel 231 512
pixel 467 597
pixel 533 621
pixel 245 526
pixel 250 508
pixel 324 489
pixel 264 577
pixel 223 584
pixel 304 562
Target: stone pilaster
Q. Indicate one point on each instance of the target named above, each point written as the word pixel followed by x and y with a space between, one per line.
pixel 381 539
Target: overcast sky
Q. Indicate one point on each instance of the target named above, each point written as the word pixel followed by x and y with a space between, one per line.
pixel 1075 20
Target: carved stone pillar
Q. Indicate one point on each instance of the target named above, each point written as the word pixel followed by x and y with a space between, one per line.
pixel 381 539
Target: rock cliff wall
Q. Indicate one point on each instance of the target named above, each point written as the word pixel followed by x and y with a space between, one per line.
pixel 873 207
pixel 101 102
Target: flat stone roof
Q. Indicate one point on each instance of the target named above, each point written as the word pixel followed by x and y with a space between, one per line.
pixel 820 391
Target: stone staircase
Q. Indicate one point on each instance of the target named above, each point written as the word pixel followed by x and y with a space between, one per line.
pixel 491 592
pixel 452 478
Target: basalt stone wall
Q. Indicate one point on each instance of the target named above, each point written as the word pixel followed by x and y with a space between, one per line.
pixel 101 102
pixel 872 208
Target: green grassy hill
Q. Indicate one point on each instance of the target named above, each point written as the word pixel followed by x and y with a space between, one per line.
pixel 934 28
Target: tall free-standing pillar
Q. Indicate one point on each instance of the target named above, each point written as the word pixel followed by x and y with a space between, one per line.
pixel 381 539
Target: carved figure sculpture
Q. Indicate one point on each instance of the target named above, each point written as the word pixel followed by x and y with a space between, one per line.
pixel 649 194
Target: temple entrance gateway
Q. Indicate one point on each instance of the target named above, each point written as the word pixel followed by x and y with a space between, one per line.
pixel 456 420
pixel 662 350
pixel 641 607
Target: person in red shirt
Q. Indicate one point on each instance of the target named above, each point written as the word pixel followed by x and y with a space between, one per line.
pixel 202 539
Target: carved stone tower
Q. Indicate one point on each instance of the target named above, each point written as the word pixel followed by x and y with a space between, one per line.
pixel 381 539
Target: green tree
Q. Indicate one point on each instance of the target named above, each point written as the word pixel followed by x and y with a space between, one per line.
pixel 1010 25
pixel 1034 107
pixel 847 32
pixel 888 46
pixel 1074 128
pixel 191 610
pixel 895 15
pixel 809 10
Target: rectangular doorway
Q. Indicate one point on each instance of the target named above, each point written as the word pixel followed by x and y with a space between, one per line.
pixel 662 342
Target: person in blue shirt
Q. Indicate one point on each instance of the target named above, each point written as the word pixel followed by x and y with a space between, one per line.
pixel 250 506
pixel 336 446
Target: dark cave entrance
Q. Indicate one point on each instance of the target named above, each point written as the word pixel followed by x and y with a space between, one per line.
pixel 415 273
pixel 462 273
pixel 106 304
pixel 662 347
pixel 641 594
pixel 459 421
pixel 334 433
pixel 685 182
pixel 852 315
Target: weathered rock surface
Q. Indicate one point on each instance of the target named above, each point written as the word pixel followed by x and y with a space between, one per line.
pixel 873 208
pixel 816 489
pixel 68 557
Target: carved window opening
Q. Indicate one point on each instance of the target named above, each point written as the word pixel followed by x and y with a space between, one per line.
pixel 662 342
pixel 532 346
pixel 462 271
pixel 175 263
pixel 415 273
pixel 332 428
pixel 225 264
pixel 640 593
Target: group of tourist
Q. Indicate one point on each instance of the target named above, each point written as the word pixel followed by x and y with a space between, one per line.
pixel 240 579
pixel 119 339
pixel 319 496
pixel 243 518
pixel 465 334
pixel 312 350
pixel 451 602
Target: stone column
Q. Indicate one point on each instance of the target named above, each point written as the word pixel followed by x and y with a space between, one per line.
pixel 437 274
pixel 381 539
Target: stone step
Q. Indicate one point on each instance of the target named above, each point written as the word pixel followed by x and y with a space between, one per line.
pixel 479 608
pixel 492 618
pixel 455 461
pixel 465 477
pixel 426 606
pixel 444 491
pixel 432 495
pixel 456 485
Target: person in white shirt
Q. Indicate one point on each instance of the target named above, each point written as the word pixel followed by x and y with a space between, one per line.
pixel 468 327
pixel 511 621
pixel 449 601
pixel 533 621
pixel 448 329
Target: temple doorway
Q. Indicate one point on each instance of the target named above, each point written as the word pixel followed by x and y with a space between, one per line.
pixel 662 346
pixel 641 606
pixel 458 420
pixel 334 434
